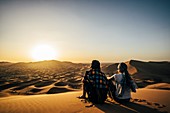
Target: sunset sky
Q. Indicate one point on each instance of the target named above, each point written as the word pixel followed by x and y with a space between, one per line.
pixel 83 30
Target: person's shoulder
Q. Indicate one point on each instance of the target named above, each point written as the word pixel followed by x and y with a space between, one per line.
pixel 88 72
pixel 102 72
pixel 116 75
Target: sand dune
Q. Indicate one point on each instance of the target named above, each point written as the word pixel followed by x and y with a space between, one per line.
pixel 43 77
pixel 22 83
pixel 144 70
pixel 54 90
pixel 145 101
pixel 145 73
pixel 156 71
pixel 164 86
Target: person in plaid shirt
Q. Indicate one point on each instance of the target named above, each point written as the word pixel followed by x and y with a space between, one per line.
pixel 94 78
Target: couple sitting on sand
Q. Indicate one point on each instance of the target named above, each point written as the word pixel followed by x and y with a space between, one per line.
pixel 97 85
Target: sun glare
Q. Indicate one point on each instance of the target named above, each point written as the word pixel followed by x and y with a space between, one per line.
pixel 44 52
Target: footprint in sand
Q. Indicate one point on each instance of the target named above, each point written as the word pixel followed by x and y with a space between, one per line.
pixel 85 101
pixel 138 100
pixel 88 106
pixel 159 105
pixel 149 103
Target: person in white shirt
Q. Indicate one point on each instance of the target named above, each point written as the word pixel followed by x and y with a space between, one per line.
pixel 122 84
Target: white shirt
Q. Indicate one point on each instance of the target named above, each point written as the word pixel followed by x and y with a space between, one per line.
pixel 127 94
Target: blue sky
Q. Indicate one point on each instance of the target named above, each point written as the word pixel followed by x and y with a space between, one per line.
pixel 80 31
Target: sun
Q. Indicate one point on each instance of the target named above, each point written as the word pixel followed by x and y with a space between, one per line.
pixel 43 52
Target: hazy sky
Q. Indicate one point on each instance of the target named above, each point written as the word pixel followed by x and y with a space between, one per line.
pixel 80 31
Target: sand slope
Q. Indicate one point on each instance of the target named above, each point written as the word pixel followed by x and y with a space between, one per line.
pixel 68 103
pixel 145 73
pixel 156 71
pixel 54 103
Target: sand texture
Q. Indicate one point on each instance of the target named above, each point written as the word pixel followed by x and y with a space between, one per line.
pixel 144 101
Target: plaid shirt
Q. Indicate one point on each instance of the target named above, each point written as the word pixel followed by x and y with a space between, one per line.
pixel 96 78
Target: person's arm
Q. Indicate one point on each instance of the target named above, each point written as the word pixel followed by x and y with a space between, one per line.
pixel 111 78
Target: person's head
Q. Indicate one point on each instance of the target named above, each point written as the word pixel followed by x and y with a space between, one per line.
pixel 122 67
pixel 95 64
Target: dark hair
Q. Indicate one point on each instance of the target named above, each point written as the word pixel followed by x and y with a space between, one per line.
pixel 95 64
pixel 123 69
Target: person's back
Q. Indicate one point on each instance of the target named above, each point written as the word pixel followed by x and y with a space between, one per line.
pixel 97 90
pixel 123 84
pixel 95 84
pixel 126 93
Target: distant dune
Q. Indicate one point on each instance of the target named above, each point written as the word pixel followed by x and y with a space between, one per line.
pixel 145 73
pixel 49 77
pixel 44 77
pixel 157 71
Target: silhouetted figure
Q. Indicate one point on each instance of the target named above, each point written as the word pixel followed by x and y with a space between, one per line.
pixel 95 84
pixel 123 84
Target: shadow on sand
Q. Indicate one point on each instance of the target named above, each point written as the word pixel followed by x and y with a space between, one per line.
pixel 130 107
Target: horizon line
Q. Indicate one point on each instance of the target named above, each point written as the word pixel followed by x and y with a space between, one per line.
pixel 84 62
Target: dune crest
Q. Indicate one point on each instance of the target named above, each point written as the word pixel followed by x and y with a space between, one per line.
pixel 131 69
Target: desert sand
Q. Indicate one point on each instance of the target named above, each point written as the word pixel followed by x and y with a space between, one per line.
pixel 49 77
pixel 144 101
pixel 53 87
